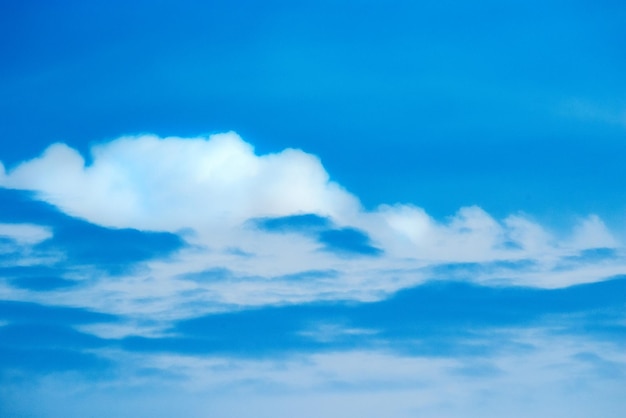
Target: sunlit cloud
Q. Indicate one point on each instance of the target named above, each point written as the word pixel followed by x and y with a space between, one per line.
pixel 182 227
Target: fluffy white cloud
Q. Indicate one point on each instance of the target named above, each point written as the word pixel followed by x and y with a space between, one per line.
pixel 470 235
pixel 150 183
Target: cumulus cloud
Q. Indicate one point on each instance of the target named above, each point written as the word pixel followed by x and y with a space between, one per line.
pixel 470 235
pixel 151 183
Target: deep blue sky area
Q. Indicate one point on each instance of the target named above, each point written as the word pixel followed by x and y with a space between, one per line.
pixel 515 105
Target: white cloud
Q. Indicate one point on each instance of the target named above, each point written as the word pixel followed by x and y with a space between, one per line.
pixel 25 234
pixel 169 184
pixel 17 242
pixel 215 185
pixel 591 232
pixel 470 235
pixel 531 237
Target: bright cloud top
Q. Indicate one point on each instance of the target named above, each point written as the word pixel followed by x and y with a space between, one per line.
pixel 169 184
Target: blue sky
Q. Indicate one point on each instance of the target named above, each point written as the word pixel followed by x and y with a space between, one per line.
pixel 346 208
